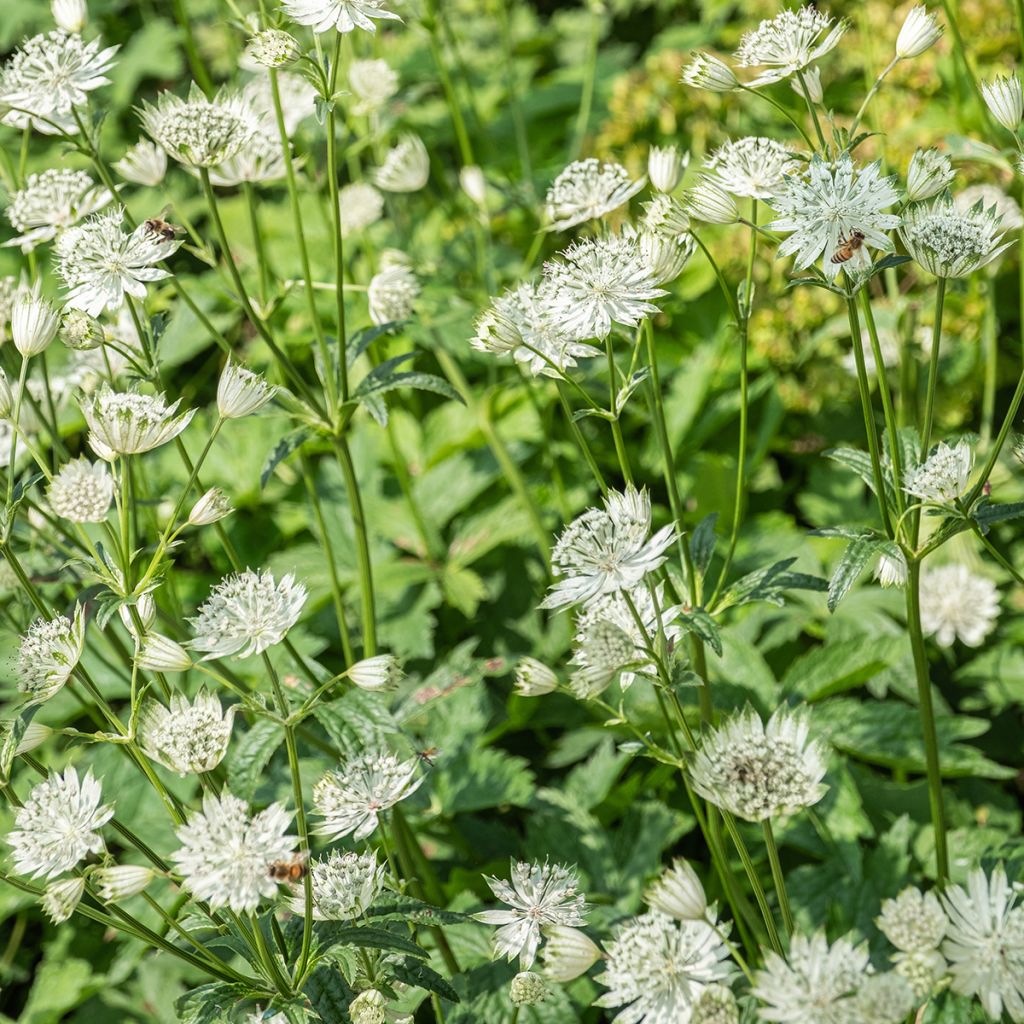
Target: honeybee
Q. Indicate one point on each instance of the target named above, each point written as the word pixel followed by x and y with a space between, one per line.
pixel 428 756
pixel 158 226
pixel 848 246
pixel 292 869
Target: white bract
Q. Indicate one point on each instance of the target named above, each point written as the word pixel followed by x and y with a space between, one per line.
pixel 952 242
pixel 919 32
pixel 587 190
pixel 343 15
pixel 129 422
pixel 50 202
pixel 1005 100
pixel 188 737
pixel 943 477
pixel 406 166
pixel 81 491
pixel 753 166
pixel 49 653
pixel 956 605
pixel 344 885
pixel 788 43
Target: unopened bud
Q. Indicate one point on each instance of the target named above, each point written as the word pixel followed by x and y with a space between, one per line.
pixel 213 506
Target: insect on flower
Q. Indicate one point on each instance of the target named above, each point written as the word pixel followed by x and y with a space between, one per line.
pixel 290 869
pixel 168 232
pixel 848 247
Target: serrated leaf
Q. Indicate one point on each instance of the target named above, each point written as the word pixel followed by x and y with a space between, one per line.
pixel 413 379
pixel 857 554
pixel 334 933
pixel 768 585
pixel 406 908
pixel 697 620
pixel 842 665
pixel 12 730
pixel 987 515
pixel 702 543
pixel 250 756
pixel 291 442
pixel 208 1004
pixel 359 342
pixel 330 994
pixel 463 589
pixel 413 972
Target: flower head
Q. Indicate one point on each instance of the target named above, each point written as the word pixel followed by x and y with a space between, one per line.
pixel 534 678
pixel 212 506
pixel 950 242
pixel 344 15
pixel 658 968
pixel 48 654
pixel 381 672
pixel 62 898
pixel 604 650
pixel 392 293
pixel 50 202
pixel 162 654
pixel 187 738
pixel 709 202
pixel 759 771
pixel 985 942
pixel 716 1005
pixel 351 800
pixel 607 550
pixel 373 83
pixel 100 263
pixel 678 893
pixel 944 475
pixel 823 207
pixel 587 190
pixel 241 392
pixel 273 48
pixel 344 885
pixel 929 173
pixel 920 31
pixel 914 921
pixel 145 163
pixel 82 491
pixel 665 167
pixel 1005 101
pixel 406 166
pixel 369 1007
pixel 567 953
pixel 706 71
pixel 538 895
pixel 361 205
pixel 957 605
pixel 884 999
pixel 246 613
pixel 991 196
pixel 130 423
pixel 788 43
pixel 752 166
pixel 58 825
pixel 34 324
pixel 225 852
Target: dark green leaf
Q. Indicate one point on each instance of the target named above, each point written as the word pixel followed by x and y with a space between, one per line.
pixel 702 543
pixel 857 554
pixel 334 933
pixel 697 620
pixel 250 756
pixel 359 342
pixel 330 994
pixel 413 972
pixel 291 442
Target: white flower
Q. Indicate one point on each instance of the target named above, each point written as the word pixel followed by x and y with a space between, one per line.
pixel 241 392
pixel 273 48
pixel 891 570
pixel 213 506
pixel 351 800
pixel 525 322
pixel 756 771
pixel 708 202
pixel 81 332
pixel 344 15
pixel 567 953
pixel 381 672
pixel 361 205
pixel 162 654
pixel 950 242
pixel 816 986
pixel 406 166
pixel 658 968
pixel 665 215
pixel 716 1005
pixel 587 190
pixel 752 166
pixel 812 82
pixel 678 893
pixel 70 15
pixel 914 921
pixel 344 885
pixel 130 423
pixel 474 184
pixel 825 204
pixel 706 71
pixel 225 852
pixel 34 324
pixel 599 282
pixel 145 163
pixel 539 895
pixel 246 613
pixel 924 971
pixel 883 999
pixel 606 550
pixel 991 196
pixel 100 263
pixel 58 825
pixel 298 101
pixel 198 131
pixel 604 649
pixel 1005 101
pixel 534 678
pixel 665 167
pixel 260 159
pixel 787 43
pixel 82 491
pixel 122 881
pixel 373 82
pixel 957 605
pixel 50 202
pixel 392 293
pixel 943 476
pixel 50 75
pixel 48 654
pixel 369 1007
pixel 920 31
pixel 929 173
pixel 61 898
pixel 666 254
pixel 187 738
pixel 985 943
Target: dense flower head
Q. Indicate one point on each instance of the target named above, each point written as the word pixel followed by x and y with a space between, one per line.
pixel 145 163
pixel 603 650
pixel 537 895
pixel 607 550
pixel 752 166
pixel 51 201
pixel 48 654
pixel 716 1005
pixel 129 422
pixel 406 166
pixel 587 190
pixel 361 205
pixel 992 196
pixel 273 48
pixel 81 491
pixel 344 885
pixel 62 898
pixel 351 800
pixel 824 205
pixel 344 15
pixel 246 613
pixel 985 942
pixel 788 43
pixel 369 1007
pixel 944 475
pixel 58 825
pixel 658 968
pixel 914 921
pixel 759 771
pixel 373 83
pixel 48 76
pixel 392 292
pixel 188 737
pixel 949 241
pixel 100 263
pixel 956 605
pixel 225 851
pixel 883 999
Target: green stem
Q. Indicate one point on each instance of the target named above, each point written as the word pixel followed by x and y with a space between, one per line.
pixel 581 441
pixel 990 347
pixel 933 369
pixel 22 376
pixel 777 876
pixel 812 111
pixel 338 250
pixel 514 101
pixel 993 455
pixel 257 240
pixel 369 614
pixel 195 62
pixel 589 83
pixel 432 23
pixel 871 93
pixel 755 881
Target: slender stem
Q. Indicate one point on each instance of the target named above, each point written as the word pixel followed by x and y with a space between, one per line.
pixel 369 614
pixel 871 93
pixel 812 110
pixel 514 101
pixel 763 94
pixel 777 876
pixel 257 240
pixel 993 455
pixel 432 24
pixel 337 247
pixel 581 441
pixel 195 62
pixel 613 386
pixel 589 83
pixel 990 347
pixel 755 881
pixel 933 369
pixel 22 376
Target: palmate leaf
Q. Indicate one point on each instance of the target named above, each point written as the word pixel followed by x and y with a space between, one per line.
pixel 857 555
pixel 769 584
pixel 250 756
pixel 359 342
pixel 330 994
pixel 209 1004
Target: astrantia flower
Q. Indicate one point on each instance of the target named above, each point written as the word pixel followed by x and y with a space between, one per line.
pixel 525 323
pixel 225 852
pixel 665 167
pixel 759 771
pixel 1007 208
pixel 344 15
pixel 187 738
pixel 261 159
pixel 241 392
pixel 50 202
pixel 162 654
pixel 787 43
pixel 213 506
pixel 100 263
pixel 752 166
pixel 48 76
pixel 344 885
pixel 34 323
pixel 1005 100
pixel 678 892
pixel 122 881
pixel 351 800
pixel 246 613
pixel 883 999
pixel 599 282
pixel 920 31
pixel 58 825
pixel 145 163
pixel 816 985
pixel 950 242
pixel 273 48
pixel 48 654
pixel 985 943
pixel 392 293
pixel 706 71
pixel 373 83
pixel 666 254
pixel 61 898
pixel 914 921
pixel 924 971
pixel 82 491
pixel 406 166
pixel 891 570
pixel 381 672
pixel 199 131
pixel 587 190
pixel 957 605
pixel 538 895
pixel 527 989
pixel 567 953
pixel 70 15
pixel 603 651
pixel 825 204
pixel 664 215
pixel 129 423
pixel 708 202
pixel 929 173
pixel 657 968
pixel 716 1005
pixel 369 1007
pixel 606 550
pixel 534 678
pixel 361 205
pixel 943 476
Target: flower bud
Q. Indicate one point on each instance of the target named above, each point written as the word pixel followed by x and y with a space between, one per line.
pixel 534 678
pixel 161 654
pixel 70 15
pixel 527 989
pixel 665 166
pixel 678 893
pixel 61 898
pixel 368 1007
pixel 568 953
pixel 34 324
pixel 213 506
pixel 1005 101
pixel 665 215
pixel 241 392
pixel 812 80
pixel 6 397
pixel 707 202
pixel 929 173
pixel 716 1005
pixel 80 331
pixel 920 32
pixel 706 71
pixel 122 881
pixel 474 184
pixel 273 48
pixel 35 735
pixel 891 570
pixel 145 609
pixel 381 672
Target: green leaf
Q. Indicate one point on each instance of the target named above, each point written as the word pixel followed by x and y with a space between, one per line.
pixel 413 972
pixel 359 342
pixel 768 585
pixel 334 933
pixel 357 720
pixel 463 589
pixel 702 543
pixel 412 379
pixel 208 1004
pixel 406 908
pixel 697 620
pixel 484 778
pixel 12 730
pixel 842 665
pixel 987 515
pixel 250 756
pixel 291 442
pixel 857 554
pixel 330 995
